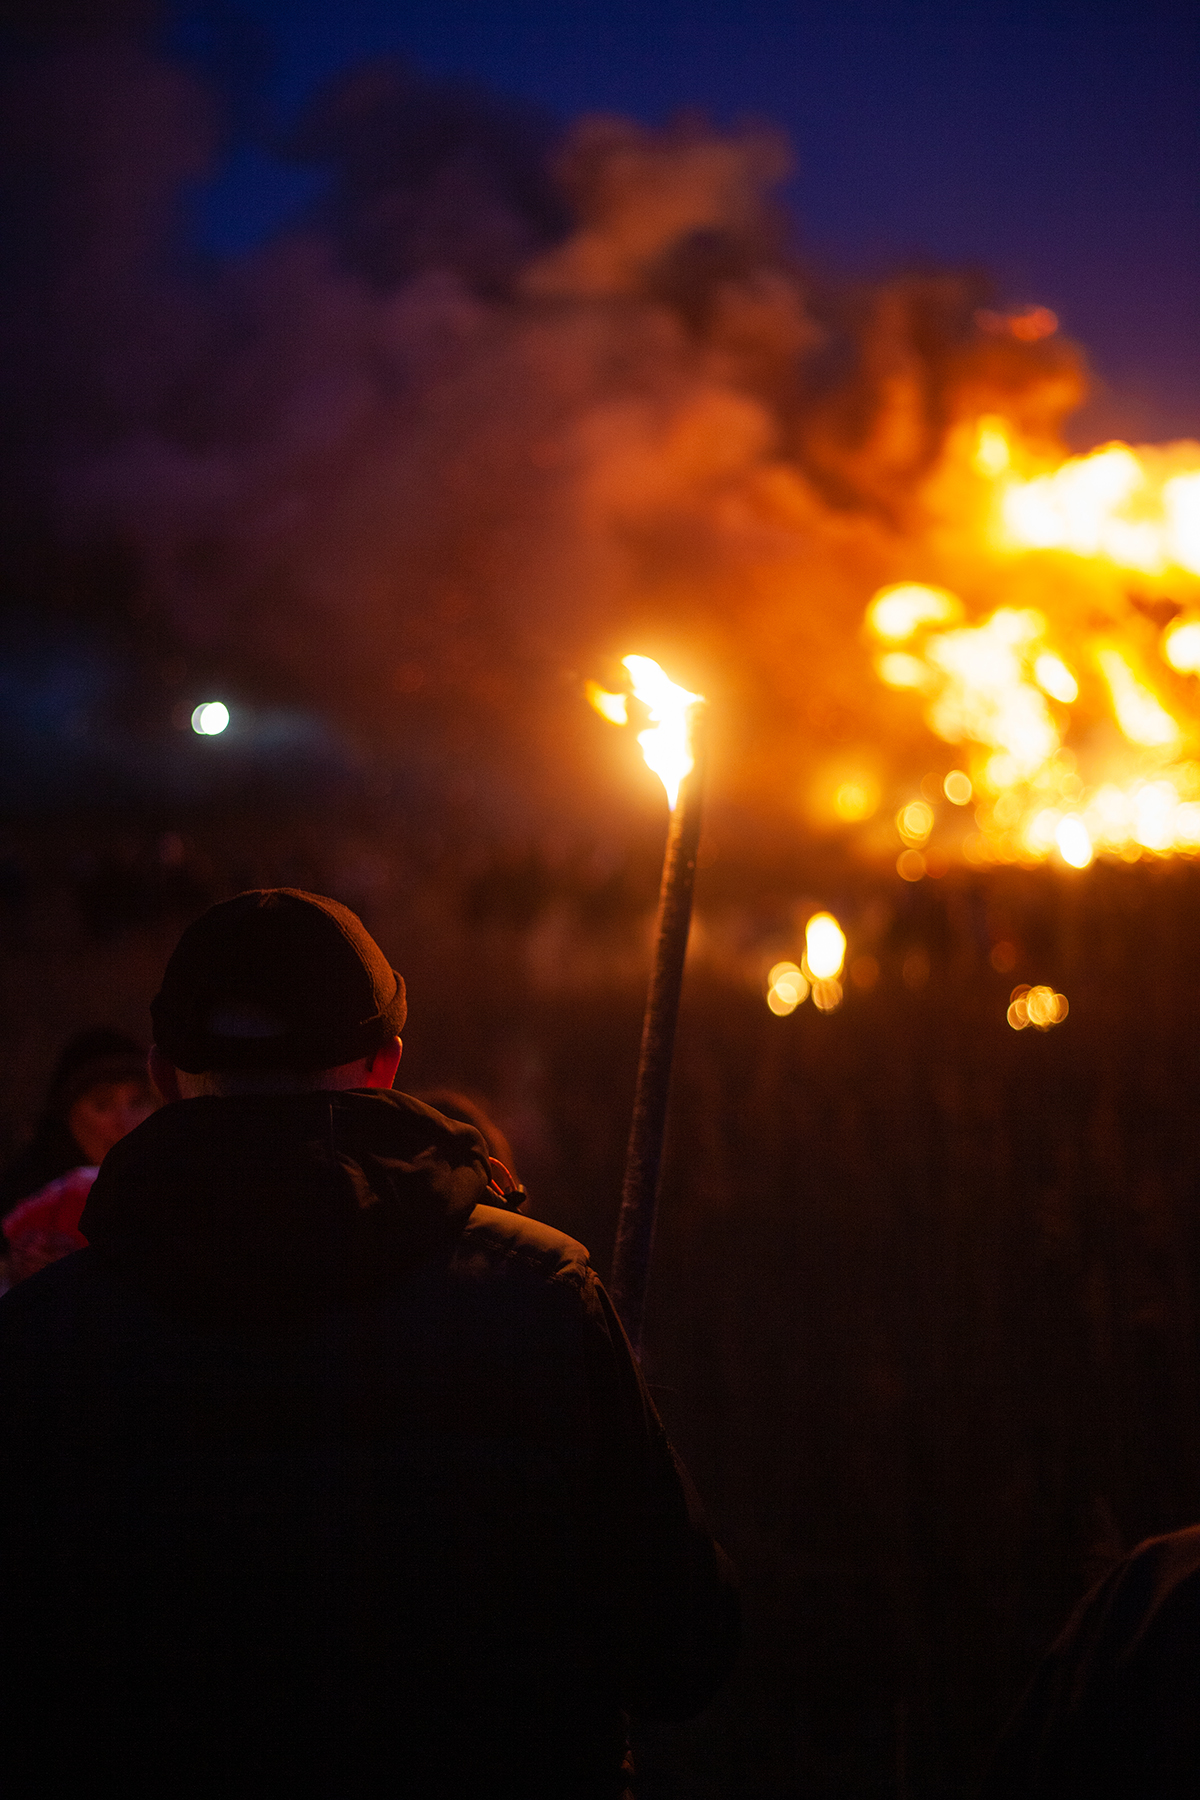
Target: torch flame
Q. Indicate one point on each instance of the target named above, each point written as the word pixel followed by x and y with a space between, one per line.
pixel 667 741
pixel 610 706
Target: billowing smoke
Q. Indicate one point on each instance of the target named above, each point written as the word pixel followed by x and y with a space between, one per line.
pixel 507 403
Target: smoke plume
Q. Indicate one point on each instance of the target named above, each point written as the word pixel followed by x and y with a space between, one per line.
pixel 507 403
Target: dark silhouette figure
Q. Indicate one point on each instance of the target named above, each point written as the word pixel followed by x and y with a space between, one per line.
pixel 324 1475
pixel 1114 1709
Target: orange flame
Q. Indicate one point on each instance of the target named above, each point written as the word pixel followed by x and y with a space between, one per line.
pixel 667 740
pixel 1076 728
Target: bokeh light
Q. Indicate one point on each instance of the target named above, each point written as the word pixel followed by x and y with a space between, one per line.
pixel 1074 843
pixel 857 798
pixel 914 970
pixel 864 972
pixel 824 947
pixel 210 718
pixel 897 612
pixel 1054 678
pixel 1181 646
pixel 1040 1007
pixel 915 822
pixel 827 995
pixel 786 989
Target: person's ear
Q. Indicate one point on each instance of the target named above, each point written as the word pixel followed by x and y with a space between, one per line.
pixel 164 1075
pixel 382 1066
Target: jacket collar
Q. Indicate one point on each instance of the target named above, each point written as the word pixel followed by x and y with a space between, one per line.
pixel 264 1210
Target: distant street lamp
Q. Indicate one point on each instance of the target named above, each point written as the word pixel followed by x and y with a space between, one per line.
pixel 210 718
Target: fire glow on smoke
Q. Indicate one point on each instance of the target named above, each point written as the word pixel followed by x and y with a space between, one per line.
pixel 487 412
pixel 1077 734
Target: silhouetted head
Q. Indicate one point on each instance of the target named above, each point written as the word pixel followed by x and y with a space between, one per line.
pixel 276 991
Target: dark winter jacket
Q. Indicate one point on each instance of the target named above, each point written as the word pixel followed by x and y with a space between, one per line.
pixel 1114 1711
pixel 323 1476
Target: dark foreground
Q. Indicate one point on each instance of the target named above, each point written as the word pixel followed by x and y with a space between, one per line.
pixel 923 1317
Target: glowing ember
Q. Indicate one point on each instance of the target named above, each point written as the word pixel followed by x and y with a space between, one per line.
pixel 667 741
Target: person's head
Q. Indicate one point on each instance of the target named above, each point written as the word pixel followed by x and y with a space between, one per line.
pixel 276 991
pixel 108 1111
pixel 100 1090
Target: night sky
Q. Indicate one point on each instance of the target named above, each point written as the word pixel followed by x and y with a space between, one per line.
pixel 1056 145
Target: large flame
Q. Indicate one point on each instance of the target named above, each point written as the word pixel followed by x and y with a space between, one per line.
pixel 1137 508
pixel 1076 721
pixel 667 740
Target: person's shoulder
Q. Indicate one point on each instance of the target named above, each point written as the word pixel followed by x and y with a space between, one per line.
pixel 510 1244
pixel 1177 1549
pixel 1161 1570
pixel 1145 1602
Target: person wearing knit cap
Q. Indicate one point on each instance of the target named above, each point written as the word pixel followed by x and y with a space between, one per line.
pixel 330 1472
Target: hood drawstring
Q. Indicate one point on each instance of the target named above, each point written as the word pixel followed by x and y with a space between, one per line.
pixel 504 1189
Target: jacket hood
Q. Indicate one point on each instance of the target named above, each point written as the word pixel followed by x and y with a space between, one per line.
pixel 263 1210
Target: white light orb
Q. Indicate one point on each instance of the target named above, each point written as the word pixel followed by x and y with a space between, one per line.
pixel 210 718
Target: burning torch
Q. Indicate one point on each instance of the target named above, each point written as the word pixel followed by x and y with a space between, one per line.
pixel 673 746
